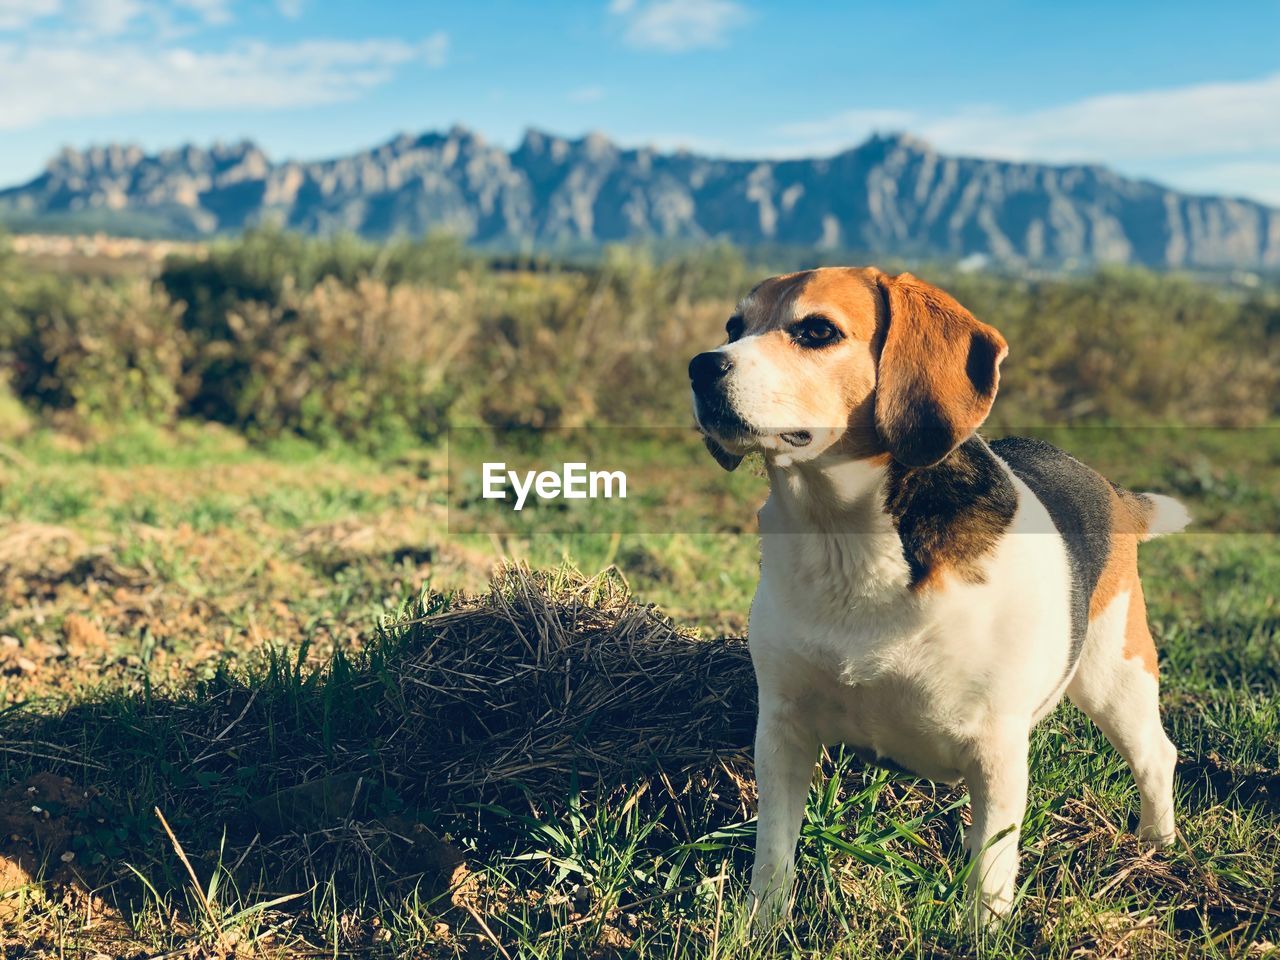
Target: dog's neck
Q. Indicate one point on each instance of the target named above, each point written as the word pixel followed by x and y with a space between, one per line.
pixel 825 520
pixel 830 494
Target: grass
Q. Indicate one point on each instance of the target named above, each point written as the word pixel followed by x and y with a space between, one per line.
pixel 203 683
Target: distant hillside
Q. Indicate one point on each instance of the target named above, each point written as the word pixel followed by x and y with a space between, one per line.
pixel 890 196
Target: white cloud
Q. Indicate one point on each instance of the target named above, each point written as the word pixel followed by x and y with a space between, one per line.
pixel 840 131
pixel 108 17
pixel 1259 179
pixel 1221 138
pixel 1203 119
pixel 290 8
pixel 212 12
pixel 96 58
pixel 97 79
pixel 677 26
pixel 435 49
pixel 1211 119
pixel 586 95
pixel 17 14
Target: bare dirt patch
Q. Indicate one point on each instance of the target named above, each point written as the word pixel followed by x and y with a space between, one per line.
pixel 39 818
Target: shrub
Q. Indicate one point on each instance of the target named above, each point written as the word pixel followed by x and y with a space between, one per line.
pixel 365 363
pixel 573 350
pixel 342 339
pixel 1124 347
pixel 97 351
pixel 530 355
pixel 15 420
pixel 717 271
pixel 267 266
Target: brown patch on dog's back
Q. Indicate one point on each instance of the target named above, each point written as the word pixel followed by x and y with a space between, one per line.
pixel 1117 575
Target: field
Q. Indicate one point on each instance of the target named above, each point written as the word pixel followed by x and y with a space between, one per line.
pixel 260 697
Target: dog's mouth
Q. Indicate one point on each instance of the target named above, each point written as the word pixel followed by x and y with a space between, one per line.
pixel 747 436
pixel 797 438
pixel 720 421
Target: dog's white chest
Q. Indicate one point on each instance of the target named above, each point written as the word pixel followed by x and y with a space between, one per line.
pixel 920 677
pixel 863 662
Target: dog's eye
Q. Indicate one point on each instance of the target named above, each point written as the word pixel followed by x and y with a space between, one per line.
pixel 734 328
pixel 815 332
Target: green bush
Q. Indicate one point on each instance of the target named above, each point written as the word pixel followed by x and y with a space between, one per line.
pixel 268 267
pixel 94 350
pixel 1126 347
pixel 717 271
pixel 574 349
pixel 341 339
pixel 364 363
pixel 15 419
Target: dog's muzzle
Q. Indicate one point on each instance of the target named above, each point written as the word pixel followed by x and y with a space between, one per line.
pixel 708 375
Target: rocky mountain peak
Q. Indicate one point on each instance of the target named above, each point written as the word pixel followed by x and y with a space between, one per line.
pixel 893 195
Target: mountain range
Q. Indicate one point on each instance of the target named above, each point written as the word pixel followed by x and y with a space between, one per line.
pixel 890 196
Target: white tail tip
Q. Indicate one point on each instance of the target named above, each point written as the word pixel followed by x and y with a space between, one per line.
pixel 1165 515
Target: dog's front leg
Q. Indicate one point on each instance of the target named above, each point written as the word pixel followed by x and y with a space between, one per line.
pixel 785 754
pixel 998 790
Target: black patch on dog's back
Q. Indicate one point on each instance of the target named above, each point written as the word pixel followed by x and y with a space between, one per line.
pixel 951 514
pixel 1078 500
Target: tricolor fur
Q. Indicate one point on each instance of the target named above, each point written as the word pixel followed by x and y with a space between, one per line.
pixel 925 596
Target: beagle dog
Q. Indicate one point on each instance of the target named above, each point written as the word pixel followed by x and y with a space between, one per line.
pixel 925 596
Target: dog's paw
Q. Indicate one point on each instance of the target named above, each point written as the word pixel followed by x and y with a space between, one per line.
pixel 1156 835
pixel 770 910
pixel 992 911
pixel 993 905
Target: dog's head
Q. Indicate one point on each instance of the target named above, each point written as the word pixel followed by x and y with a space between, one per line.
pixel 846 360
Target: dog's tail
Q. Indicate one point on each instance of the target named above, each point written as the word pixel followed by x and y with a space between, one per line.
pixel 1157 515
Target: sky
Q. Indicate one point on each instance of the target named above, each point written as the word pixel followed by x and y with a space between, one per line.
pixel 1184 93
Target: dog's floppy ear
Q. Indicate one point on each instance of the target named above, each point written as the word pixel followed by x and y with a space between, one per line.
pixel 938 372
pixel 722 456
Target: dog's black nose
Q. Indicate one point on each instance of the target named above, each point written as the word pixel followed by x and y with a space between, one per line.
pixel 706 368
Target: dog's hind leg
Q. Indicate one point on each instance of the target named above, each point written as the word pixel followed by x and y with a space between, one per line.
pixel 1116 684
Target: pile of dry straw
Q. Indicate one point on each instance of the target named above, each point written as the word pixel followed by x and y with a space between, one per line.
pixel 553 676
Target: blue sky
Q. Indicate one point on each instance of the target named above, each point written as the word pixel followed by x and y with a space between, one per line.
pixel 1185 93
